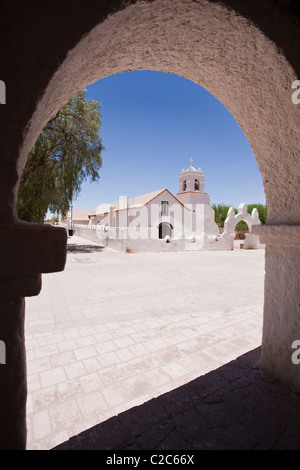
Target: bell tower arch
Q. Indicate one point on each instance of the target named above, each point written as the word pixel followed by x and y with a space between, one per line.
pixel 191 186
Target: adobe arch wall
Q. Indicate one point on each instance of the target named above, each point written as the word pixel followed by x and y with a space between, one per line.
pixel 216 48
pixel 233 219
pixel 245 53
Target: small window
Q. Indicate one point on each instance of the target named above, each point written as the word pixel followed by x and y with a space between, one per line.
pixel 184 186
pixel 164 208
pixel 196 185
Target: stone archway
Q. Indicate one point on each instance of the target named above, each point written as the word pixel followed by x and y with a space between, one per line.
pixel 233 219
pixel 197 53
pixel 245 55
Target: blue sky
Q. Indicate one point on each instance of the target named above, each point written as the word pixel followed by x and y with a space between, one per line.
pixel 153 123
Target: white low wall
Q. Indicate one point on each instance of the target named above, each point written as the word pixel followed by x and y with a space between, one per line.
pixel 251 242
pixel 126 244
pixel 139 242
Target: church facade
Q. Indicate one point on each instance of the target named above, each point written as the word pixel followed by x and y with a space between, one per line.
pixel 162 221
pixel 154 219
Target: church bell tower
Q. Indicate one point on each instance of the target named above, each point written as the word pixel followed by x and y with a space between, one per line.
pixel 191 186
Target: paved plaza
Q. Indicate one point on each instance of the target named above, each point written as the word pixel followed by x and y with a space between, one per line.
pixel 114 330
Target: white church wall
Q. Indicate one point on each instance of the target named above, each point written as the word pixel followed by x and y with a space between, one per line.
pixel 135 224
pixel 252 242
pixel 122 239
pixel 139 238
pixel 189 197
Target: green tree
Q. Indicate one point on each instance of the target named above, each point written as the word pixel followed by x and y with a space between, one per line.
pixel 221 211
pixel 53 219
pixel 262 211
pixel 67 153
pixel 242 225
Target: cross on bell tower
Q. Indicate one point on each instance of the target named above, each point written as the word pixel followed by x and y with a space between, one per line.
pixel 191 160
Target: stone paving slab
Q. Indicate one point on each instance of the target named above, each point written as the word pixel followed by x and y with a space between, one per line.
pixel 115 330
pixel 230 408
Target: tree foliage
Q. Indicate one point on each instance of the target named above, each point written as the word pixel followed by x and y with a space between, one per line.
pixel 67 153
pixel 221 211
pixel 262 211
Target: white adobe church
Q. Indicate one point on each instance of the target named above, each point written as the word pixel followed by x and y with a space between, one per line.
pixel 161 221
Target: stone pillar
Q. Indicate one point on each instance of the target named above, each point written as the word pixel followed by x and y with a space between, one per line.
pixel 26 250
pixel 281 325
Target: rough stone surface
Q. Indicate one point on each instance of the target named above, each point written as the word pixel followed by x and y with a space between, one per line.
pixel 281 313
pixel 216 48
pixel 13 388
pixel 37 248
pixel 114 330
pixel 231 408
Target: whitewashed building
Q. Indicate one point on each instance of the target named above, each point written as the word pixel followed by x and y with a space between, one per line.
pixel 149 221
pixel 162 221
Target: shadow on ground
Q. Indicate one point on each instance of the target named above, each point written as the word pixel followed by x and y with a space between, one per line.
pixel 231 408
pixel 84 248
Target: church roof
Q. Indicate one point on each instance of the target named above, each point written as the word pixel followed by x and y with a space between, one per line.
pixel 130 203
pixel 137 201
pixel 144 198
pixel 191 169
pixel 80 214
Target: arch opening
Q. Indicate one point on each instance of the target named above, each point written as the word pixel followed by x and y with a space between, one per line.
pixel 193 57
pixel 204 67
pixel 162 231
